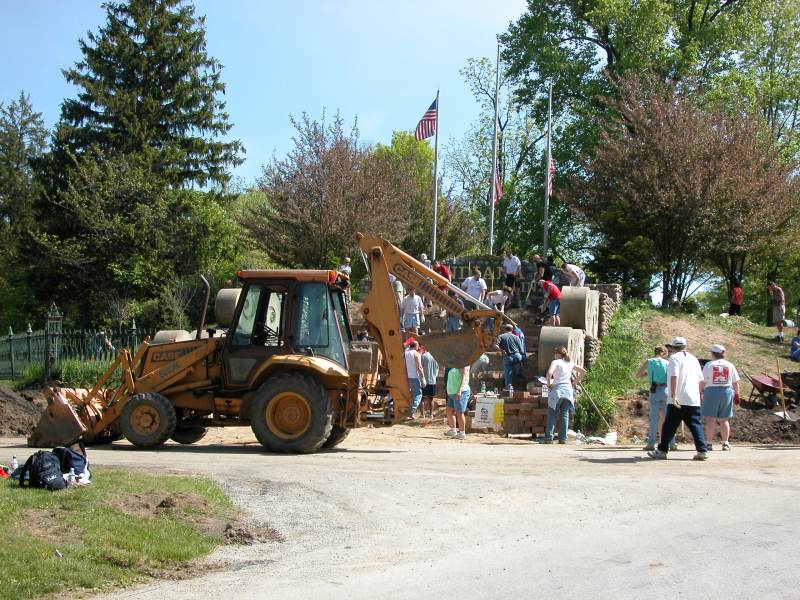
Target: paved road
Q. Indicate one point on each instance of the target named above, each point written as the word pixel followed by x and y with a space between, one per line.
pixel 403 515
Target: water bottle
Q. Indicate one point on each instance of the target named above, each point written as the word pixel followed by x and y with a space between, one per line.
pixel 483 387
pixel 14 464
pixel 71 476
pixel 510 390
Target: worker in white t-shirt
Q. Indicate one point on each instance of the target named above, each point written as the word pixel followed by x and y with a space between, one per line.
pixel 576 275
pixel 416 375
pixel 412 311
pixel 511 267
pixel 720 391
pixel 561 399
pixel 685 381
pixel 498 298
pixel 476 287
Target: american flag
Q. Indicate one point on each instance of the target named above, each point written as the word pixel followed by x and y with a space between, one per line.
pixel 551 173
pixel 427 124
pixel 498 188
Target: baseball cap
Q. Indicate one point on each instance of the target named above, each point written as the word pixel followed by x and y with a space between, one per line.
pixel 717 349
pixel 677 342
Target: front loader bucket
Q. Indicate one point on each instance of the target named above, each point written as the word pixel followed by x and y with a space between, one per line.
pixel 59 424
pixel 457 349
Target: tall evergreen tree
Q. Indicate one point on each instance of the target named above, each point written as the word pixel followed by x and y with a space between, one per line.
pixel 148 88
pixel 23 140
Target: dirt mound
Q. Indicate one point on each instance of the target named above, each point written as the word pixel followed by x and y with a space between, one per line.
pixel 761 426
pixel 18 415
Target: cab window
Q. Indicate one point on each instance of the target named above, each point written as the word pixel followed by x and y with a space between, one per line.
pixel 261 320
pixel 247 318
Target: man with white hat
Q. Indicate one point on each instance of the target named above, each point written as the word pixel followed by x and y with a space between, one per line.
pixel 720 388
pixel 685 387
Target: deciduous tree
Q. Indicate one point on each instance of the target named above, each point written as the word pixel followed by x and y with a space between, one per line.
pixel 702 186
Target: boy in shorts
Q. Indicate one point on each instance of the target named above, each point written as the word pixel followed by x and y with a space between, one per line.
pixel 458 393
pixel 553 297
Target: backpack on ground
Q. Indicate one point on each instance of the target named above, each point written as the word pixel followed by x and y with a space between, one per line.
pixel 42 470
pixel 70 459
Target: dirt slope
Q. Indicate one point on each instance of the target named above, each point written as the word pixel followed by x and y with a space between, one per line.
pixel 750 347
pixel 18 415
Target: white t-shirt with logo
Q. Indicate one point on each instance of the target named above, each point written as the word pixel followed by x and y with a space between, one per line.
pixel 720 373
pixel 511 265
pixel 686 368
pixel 474 287
pixel 411 305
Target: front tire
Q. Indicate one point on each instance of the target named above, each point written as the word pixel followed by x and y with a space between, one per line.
pixel 291 413
pixel 148 420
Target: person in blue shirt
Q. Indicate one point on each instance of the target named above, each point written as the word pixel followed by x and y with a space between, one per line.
pixel 656 370
pixel 513 353
pixel 794 349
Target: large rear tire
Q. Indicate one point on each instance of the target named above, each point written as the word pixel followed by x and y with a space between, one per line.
pixel 291 413
pixel 148 420
pixel 337 436
pixel 189 434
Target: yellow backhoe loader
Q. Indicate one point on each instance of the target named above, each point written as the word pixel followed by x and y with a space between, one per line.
pixel 280 359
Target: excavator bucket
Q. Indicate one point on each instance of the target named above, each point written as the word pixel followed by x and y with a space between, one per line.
pixel 59 424
pixel 457 349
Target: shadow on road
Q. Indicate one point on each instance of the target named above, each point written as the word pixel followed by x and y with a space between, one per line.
pixel 787 447
pixel 615 460
pixel 245 450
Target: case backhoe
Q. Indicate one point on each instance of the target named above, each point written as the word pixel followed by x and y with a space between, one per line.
pixel 280 359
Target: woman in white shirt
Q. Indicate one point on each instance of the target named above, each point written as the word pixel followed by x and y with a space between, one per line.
pixel 561 399
pixel 720 387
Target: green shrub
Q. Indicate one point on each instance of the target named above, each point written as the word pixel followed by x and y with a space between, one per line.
pixel 614 373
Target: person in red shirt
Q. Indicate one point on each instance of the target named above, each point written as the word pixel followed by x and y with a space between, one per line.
pixel 737 295
pixel 443 270
pixel 553 296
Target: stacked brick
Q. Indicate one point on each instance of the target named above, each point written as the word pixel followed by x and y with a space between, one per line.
pixel 525 412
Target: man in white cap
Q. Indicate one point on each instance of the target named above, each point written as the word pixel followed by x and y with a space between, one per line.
pixel 720 388
pixel 685 386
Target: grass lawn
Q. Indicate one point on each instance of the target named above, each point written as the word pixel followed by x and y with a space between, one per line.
pixel 123 528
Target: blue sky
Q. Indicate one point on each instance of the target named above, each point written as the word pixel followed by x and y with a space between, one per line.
pixel 380 61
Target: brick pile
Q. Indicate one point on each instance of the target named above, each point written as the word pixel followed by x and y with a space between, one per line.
pixel 525 412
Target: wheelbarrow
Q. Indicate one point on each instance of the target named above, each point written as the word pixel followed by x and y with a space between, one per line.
pixel 765 388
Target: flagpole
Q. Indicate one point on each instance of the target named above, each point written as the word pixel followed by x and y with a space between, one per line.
pixel 547 175
pixel 435 179
pixel 492 193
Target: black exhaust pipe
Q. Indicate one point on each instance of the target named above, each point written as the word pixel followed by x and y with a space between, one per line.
pixel 205 308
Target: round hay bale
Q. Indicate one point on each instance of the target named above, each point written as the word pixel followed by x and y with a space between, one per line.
pixel 556 337
pixel 225 306
pixel 169 336
pixel 579 309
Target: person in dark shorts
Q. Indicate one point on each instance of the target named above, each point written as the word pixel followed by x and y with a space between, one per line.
pixel 431 369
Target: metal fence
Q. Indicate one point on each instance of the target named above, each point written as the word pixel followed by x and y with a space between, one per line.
pixel 33 348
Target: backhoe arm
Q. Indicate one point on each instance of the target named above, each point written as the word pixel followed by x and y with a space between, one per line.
pixel 456 349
